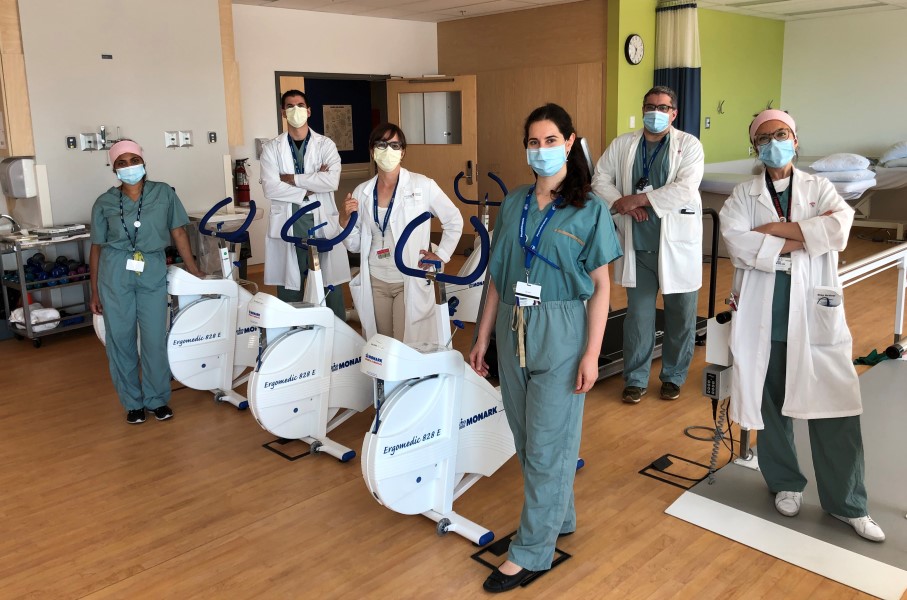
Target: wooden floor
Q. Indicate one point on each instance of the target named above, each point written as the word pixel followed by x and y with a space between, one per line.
pixel 195 508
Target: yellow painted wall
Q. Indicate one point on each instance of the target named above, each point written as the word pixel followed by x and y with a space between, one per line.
pixel 627 83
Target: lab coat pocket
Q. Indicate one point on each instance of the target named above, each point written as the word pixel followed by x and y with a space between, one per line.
pixel 680 227
pixel 276 219
pixel 827 325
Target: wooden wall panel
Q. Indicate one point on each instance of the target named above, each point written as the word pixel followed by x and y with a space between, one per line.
pixel 13 83
pixel 235 135
pixel 551 35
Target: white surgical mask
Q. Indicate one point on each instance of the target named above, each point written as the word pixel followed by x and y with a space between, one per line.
pixel 131 175
pixel 297 116
pixel 388 159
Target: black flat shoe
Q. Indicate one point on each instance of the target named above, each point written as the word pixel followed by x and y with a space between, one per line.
pixel 499 582
pixel 563 535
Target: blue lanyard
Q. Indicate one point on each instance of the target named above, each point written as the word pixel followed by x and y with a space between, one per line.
pixel 138 218
pixel 531 249
pixel 300 169
pixel 390 205
pixel 646 162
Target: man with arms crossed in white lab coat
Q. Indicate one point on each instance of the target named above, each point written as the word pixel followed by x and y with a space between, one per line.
pixel 650 179
pixel 299 167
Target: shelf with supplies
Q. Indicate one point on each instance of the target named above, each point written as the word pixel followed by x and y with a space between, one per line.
pixel 50 271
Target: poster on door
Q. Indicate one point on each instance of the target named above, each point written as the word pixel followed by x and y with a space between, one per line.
pixel 338 125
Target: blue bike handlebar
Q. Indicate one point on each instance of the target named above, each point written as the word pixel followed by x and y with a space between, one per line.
pixel 321 244
pixel 484 249
pixel 493 177
pixel 231 236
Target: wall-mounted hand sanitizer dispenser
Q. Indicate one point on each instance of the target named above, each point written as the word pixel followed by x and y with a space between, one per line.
pixel 17 177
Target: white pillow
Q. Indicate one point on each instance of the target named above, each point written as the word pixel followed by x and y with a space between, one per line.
pixel 898 150
pixel 898 162
pixel 854 175
pixel 841 162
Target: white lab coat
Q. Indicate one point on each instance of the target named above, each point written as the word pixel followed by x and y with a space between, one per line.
pixel 415 195
pixel 281 267
pixel 680 244
pixel 821 380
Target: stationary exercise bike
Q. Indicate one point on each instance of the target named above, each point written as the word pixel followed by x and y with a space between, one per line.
pixel 439 427
pixel 305 382
pixel 468 298
pixel 211 342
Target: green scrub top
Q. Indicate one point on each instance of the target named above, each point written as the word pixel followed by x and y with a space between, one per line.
pixel 307 221
pixel 161 212
pixel 577 240
pixel 647 234
pixel 781 298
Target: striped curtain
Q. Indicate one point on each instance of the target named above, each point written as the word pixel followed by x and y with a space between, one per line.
pixel 677 62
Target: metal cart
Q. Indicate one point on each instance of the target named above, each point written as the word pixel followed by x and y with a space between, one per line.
pixel 77 314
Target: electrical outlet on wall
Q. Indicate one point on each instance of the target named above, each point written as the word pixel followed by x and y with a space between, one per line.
pixel 171 139
pixel 749 150
pixel 185 138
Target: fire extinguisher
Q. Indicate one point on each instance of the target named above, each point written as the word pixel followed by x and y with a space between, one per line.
pixel 240 183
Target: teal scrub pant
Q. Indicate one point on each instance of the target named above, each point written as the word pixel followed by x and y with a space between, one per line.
pixel 136 303
pixel 639 328
pixel 333 300
pixel 836 445
pixel 546 418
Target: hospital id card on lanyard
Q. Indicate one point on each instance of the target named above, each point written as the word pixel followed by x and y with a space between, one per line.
pixel 526 293
pixel 383 252
pixel 137 262
pixel 643 185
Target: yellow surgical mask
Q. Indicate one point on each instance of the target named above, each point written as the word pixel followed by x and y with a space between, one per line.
pixel 297 116
pixel 388 159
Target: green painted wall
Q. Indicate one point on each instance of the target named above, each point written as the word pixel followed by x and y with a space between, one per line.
pixel 741 65
pixel 627 83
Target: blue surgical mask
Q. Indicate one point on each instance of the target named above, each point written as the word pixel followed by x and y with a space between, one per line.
pixel 776 154
pixel 656 121
pixel 547 161
pixel 131 175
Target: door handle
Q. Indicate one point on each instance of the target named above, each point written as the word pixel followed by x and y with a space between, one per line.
pixel 469 172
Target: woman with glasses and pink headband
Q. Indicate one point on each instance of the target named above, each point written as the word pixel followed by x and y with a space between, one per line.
pixel 131 225
pixel 789 338
pixel 387 302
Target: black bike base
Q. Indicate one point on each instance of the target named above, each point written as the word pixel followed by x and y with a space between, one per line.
pixel 499 548
pixel 661 464
pixel 284 442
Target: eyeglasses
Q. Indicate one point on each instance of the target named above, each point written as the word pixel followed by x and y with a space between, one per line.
pixel 664 108
pixel 382 145
pixel 780 135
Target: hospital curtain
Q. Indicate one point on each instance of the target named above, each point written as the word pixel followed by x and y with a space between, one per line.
pixel 677 62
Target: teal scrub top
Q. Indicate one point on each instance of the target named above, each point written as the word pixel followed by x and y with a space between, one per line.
pixel 161 212
pixel 577 240
pixel 307 221
pixel 647 234
pixel 781 298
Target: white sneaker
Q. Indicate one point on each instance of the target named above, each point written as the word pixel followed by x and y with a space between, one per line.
pixel 865 527
pixel 788 503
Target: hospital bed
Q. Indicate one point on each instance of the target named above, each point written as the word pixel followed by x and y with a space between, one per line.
pixel 720 179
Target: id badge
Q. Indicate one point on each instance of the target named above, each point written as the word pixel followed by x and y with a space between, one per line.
pixel 527 294
pixel 136 263
pixel 645 190
pixel 383 253
pixel 783 264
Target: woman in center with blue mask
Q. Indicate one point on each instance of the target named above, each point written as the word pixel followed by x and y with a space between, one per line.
pixel 552 246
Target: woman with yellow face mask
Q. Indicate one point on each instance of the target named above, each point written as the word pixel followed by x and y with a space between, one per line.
pixel 387 302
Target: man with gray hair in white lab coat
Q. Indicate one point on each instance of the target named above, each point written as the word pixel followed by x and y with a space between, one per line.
pixel 650 180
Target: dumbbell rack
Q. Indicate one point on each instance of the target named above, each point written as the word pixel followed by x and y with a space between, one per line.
pixel 10 245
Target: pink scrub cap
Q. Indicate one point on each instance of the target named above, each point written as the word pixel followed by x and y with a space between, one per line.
pixel 123 147
pixel 772 114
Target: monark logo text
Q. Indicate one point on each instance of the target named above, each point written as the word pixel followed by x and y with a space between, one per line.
pixel 245 330
pixel 373 359
pixel 478 417
pixel 346 363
